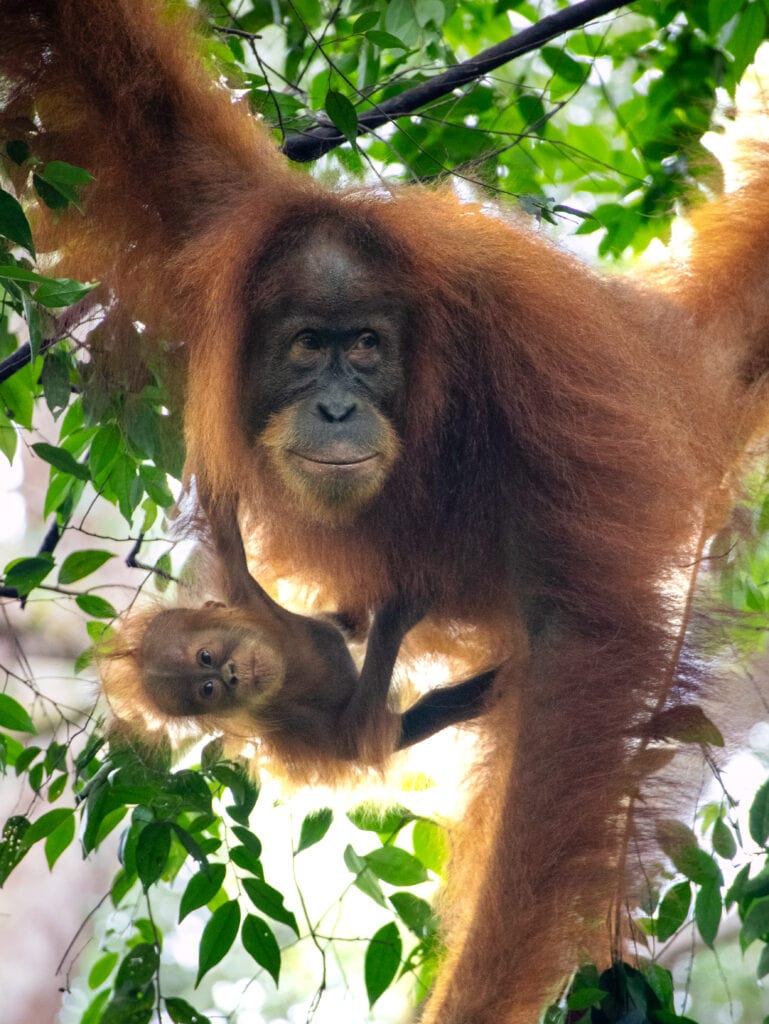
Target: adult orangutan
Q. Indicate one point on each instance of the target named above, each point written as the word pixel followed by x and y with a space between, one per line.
pixel 401 393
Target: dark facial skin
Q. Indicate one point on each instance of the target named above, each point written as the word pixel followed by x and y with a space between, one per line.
pixel 325 375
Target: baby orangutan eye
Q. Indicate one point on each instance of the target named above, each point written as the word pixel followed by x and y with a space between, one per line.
pixel 208 689
pixel 205 659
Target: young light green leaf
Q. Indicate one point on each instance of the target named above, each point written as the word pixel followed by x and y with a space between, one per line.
pixel 218 937
pixel 383 958
pixel 314 828
pixel 102 969
pixel 431 845
pixel 82 563
pixel 260 943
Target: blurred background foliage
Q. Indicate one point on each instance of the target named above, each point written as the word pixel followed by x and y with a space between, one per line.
pixel 208 892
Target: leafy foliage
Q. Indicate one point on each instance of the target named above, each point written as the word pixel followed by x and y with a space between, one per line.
pixel 598 132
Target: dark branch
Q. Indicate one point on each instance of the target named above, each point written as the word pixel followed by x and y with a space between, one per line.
pixel 447 705
pixel 61 326
pixel 315 142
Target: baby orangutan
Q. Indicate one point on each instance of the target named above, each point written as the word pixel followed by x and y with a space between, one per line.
pixel 258 670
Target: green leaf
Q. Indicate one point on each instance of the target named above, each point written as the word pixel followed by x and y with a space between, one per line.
pixel 743 42
pixel 247 860
pixel 46 824
pixel 314 828
pixel 152 849
pixel 429 10
pixel 94 1012
pixel 13 222
pixel 758 821
pixel 59 172
pixel 269 901
pixel 82 563
pixel 585 998
pixel 680 844
pixel 58 841
pixel 12 845
pixel 756 923
pixel 724 842
pixel 673 910
pixel 763 964
pixel 181 1012
pixel 57 292
pixel 365 21
pixel 251 842
pixel 416 913
pixel 260 943
pixel 383 958
pixel 102 969
pixel 218 937
pixel 201 889
pixel 105 448
pixel 385 40
pixel 137 969
pixel 24 574
pixel 707 912
pixel 56 788
pixel 62 460
pixel 14 716
pixel 365 879
pixel 395 866
pixel 95 606
pixel 401 22
pixel 342 113
pixel 563 65
pixel 431 846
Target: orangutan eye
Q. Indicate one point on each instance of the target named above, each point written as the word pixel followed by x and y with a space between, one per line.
pixel 208 689
pixel 205 659
pixel 366 341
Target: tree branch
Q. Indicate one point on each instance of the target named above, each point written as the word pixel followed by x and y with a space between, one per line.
pixel 315 142
pixel 60 327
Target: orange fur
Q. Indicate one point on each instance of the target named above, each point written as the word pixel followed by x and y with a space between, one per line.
pixel 568 438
